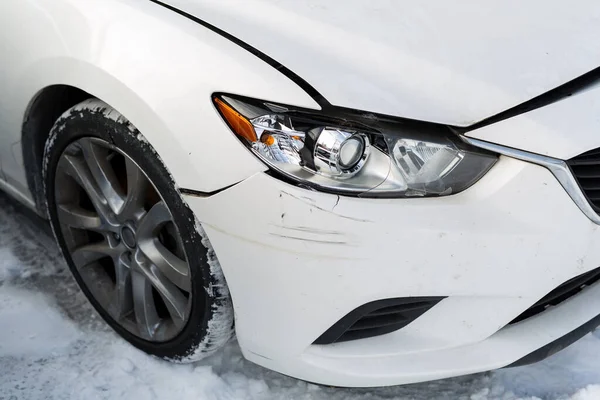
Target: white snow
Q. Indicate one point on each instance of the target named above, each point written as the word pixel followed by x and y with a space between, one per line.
pixel 46 331
pixel 54 346
pixel 219 327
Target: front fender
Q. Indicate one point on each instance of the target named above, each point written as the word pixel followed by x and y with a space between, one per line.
pixel 154 66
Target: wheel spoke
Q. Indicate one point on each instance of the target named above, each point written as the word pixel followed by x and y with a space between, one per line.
pixel 173 268
pixel 173 298
pixel 122 302
pixel 103 173
pixel 76 168
pixel 89 253
pixel 146 315
pixel 76 217
pixel 153 221
pixel 137 185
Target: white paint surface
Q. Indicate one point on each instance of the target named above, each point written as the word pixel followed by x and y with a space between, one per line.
pixel 455 63
pixel 562 130
pixel 155 67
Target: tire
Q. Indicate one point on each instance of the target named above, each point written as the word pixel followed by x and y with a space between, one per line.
pixel 181 314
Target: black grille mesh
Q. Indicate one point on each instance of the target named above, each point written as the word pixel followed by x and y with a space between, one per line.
pixel 377 318
pixel 586 169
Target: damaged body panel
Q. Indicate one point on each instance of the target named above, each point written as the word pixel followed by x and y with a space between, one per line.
pixel 346 252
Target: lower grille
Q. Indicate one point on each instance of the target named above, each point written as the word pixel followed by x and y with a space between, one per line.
pixel 561 293
pixel 586 169
pixel 377 318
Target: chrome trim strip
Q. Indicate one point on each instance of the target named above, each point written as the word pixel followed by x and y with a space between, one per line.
pixel 559 169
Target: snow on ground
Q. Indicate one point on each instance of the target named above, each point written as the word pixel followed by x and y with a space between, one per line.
pixel 54 346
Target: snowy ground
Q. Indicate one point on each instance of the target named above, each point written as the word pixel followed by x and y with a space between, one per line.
pixel 52 345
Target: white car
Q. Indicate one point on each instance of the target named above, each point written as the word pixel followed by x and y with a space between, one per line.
pixel 368 192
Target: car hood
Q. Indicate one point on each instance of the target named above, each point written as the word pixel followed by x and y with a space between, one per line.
pixel 448 62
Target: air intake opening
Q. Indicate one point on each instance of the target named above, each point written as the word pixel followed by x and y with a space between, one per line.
pixel 563 292
pixel 378 318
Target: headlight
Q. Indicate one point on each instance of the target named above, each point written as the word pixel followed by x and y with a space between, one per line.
pixel 353 154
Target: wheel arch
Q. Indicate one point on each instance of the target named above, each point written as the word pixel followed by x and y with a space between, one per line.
pixel 41 114
pixel 84 81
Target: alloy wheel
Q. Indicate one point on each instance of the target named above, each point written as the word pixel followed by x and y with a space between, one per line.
pixel 122 239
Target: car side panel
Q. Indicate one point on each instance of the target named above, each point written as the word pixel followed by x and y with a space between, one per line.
pixel 154 66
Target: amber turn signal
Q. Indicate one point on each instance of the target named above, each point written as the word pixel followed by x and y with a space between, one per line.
pixel 238 123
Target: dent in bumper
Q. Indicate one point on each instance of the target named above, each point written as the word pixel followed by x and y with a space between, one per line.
pixel 297 261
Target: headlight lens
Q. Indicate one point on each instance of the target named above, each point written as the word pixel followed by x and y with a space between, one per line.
pixel 352 154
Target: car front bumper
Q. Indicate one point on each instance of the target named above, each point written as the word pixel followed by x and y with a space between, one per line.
pixel 297 261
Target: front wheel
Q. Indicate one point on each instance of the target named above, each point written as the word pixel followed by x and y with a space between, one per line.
pixel 130 240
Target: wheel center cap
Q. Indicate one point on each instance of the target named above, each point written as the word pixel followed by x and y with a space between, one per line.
pixel 128 237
